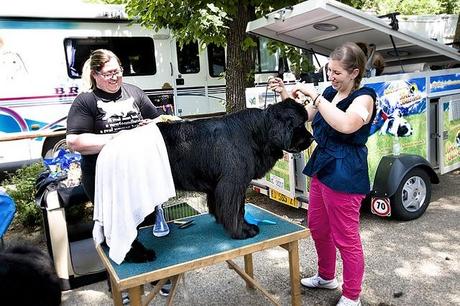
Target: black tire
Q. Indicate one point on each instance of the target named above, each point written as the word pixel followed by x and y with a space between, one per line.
pixel 52 145
pixel 412 197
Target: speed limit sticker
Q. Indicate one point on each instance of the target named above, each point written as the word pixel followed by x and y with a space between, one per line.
pixel 381 207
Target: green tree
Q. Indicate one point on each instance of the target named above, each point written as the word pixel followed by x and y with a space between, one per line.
pixel 408 7
pixel 299 62
pixel 222 22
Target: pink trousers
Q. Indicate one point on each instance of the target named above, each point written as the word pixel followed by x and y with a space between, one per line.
pixel 333 219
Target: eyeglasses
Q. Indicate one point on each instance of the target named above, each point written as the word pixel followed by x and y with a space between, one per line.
pixel 109 75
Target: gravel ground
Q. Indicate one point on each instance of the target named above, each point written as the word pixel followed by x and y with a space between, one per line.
pixel 407 263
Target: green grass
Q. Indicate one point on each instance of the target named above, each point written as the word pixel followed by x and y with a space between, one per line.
pixel 381 145
pixel 179 211
pixel 451 151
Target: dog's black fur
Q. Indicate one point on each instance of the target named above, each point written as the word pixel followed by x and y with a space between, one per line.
pixel 27 277
pixel 220 156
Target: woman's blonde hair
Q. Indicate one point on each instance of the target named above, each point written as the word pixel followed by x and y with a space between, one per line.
pixel 95 63
pixel 351 56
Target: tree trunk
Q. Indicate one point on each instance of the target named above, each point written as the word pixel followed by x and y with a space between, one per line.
pixel 240 62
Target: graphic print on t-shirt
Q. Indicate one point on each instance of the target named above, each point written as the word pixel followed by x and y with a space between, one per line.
pixel 119 115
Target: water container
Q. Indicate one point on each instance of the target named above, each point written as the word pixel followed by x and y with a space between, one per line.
pixel 160 228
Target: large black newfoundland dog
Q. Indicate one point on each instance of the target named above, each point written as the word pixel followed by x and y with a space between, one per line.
pixel 28 278
pixel 220 156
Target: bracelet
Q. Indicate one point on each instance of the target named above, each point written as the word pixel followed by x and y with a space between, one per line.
pixel 314 101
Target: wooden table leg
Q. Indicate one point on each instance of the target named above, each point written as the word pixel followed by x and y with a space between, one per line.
pixel 249 269
pixel 116 294
pixel 135 296
pixel 294 270
pixel 174 282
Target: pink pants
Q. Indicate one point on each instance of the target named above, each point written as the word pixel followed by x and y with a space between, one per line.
pixel 333 219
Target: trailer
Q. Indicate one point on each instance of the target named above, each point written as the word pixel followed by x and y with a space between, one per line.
pixel 419 92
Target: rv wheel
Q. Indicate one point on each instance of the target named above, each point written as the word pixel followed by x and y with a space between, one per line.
pixel 412 197
pixel 52 145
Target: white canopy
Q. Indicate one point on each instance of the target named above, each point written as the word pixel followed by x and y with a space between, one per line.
pixel 322 25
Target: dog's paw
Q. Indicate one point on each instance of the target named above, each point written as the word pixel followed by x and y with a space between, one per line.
pixel 248 231
pixel 138 253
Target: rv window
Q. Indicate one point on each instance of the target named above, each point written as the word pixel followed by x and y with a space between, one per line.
pixel 137 54
pixel 188 59
pixel 266 61
pixel 216 60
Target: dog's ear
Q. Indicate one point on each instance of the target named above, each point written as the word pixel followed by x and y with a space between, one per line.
pixel 301 140
pixel 283 118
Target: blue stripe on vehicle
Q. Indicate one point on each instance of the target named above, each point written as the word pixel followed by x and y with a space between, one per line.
pixel 36 24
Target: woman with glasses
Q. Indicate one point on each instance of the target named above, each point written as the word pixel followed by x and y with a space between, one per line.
pixel 96 115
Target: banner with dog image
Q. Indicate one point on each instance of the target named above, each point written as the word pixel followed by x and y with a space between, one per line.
pixel 450 141
pixel 401 114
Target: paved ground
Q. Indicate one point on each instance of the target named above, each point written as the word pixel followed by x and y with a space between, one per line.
pixel 407 263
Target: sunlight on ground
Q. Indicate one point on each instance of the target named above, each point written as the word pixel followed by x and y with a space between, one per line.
pixel 422 267
pixel 84 297
pixel 430 269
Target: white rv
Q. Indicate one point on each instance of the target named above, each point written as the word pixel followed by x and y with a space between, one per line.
pixel 42 51
pixel 417 83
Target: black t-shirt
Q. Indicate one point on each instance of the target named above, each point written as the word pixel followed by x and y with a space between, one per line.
pixel 99 112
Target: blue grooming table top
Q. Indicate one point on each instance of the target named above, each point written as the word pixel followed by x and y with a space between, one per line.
pixel 204 238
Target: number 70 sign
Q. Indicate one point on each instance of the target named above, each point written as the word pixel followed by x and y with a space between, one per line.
pixel 381 207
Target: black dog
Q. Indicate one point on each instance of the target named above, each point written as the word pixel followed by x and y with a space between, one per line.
pixel 220 156
pixel 27 277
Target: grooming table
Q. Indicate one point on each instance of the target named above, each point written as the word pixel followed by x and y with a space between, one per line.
pixel 203 244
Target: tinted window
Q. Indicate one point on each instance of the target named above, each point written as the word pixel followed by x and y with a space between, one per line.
pixel 265 61
pixel 188 60
pixel 137 54
pixel 216 59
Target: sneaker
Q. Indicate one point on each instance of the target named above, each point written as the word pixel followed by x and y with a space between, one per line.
pixel 344 301
pixel 125 298
pixel 318 282
pixel 164 291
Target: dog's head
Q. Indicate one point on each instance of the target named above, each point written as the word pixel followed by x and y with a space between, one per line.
pixel 457 140
pixel 286 126
pixel 399 126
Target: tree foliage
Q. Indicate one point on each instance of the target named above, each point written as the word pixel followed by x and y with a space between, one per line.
pixel 408 7
pixel 21 188
pixel 298 60
pixel 222 22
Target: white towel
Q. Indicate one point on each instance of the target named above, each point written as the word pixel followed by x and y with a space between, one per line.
pixel 133 176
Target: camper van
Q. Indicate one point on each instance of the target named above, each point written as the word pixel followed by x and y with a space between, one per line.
pixel 416 133
pixel 42 51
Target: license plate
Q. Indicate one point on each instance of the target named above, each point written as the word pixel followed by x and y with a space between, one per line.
pixel 279 197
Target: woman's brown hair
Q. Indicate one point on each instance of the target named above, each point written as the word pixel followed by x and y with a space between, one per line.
pixel 95 63
pixel 351 56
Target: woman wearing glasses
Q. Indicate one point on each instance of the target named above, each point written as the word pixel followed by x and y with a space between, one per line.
pixel 95 116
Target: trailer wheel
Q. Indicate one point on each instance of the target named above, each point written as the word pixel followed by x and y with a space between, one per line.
pixel 412 197
pixel 52 145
